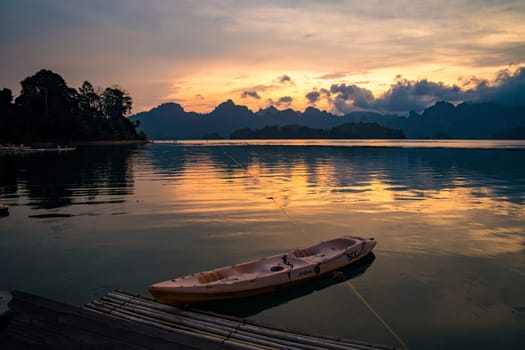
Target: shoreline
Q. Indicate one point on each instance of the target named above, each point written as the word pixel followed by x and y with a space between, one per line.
pixel 51 144
pixel 110 142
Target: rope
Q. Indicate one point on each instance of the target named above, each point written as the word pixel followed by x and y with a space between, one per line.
pixel 257 177
pixel 383 322
pixel 380 319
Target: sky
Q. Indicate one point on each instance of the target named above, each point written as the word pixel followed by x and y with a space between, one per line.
pixel 338 55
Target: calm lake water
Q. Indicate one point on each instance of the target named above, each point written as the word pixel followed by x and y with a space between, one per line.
pixel 449 218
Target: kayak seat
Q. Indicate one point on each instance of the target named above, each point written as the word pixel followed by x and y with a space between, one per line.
pixel 209 277
pixel 303 253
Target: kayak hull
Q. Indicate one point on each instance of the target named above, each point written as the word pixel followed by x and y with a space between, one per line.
pixel 264 275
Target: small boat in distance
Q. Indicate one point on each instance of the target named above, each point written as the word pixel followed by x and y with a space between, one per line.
pixel 263 275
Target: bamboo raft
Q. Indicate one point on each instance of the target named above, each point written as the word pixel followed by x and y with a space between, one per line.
pixel 30 322
pixel 213 328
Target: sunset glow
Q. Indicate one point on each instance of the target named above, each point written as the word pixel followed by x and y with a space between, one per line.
pixel 200 54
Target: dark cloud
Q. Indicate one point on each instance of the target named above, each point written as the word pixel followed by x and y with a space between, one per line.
pixel 313 96
pixel 252 93
pixel 351 97
pixel 285 79
pixel 199 97
pixel 404 95
pixel 316 95
pixel 284 101
pixel 508 88
pixel 407 95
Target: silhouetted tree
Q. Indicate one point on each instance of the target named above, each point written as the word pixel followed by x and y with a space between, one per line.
pixel 7 117
pixel 345 131
pixel 243 134
pixel 49 110
pixel 116 102
pixel 46 93
pixel 6 98
pixel 89 100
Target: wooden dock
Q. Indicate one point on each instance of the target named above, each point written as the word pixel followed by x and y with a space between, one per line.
pixel 121 320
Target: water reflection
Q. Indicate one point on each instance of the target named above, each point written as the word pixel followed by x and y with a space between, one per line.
pixel 449 224
pixel 407 173
pixel 475 193
pixel 52 180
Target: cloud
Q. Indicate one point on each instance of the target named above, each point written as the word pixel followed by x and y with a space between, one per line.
pixel 316 95
pixel 284 101
pixel 313 96
pixel 285 79
pixel 252 93
pixel 255 88
pixel 508 88
pixel 407 95
pixel 348 97
pixel 404 95
pixel 199 39
pixel 334 75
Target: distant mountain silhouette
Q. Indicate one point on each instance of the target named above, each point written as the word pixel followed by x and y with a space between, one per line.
pixel 169 121
pixel 464 121
pixel 442 120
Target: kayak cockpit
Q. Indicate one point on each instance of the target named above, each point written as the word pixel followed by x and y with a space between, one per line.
pixel 264 274
pixel 276 264
pixel 259 268
pixel 325 249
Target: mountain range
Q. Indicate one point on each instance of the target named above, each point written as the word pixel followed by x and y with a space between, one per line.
pixel 442 120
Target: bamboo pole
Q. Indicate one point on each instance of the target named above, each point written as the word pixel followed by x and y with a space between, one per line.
pixel 147 310
pixel 260 332
pixel 228 333
pixel 323 341
pixel 215 319
pixel 102 309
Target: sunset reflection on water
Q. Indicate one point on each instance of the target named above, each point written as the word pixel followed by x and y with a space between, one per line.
pixel 397 193
pixel 449 222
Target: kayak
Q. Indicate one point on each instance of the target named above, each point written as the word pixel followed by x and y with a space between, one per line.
pixel 263 275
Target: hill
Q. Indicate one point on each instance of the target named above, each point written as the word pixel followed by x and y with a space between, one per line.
pixel 442 120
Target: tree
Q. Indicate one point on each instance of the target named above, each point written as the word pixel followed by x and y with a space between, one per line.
pixel 6 97
pixel 47 109
pixel 46 94
pixel 7 114
pixel 116 102
pixel 89 100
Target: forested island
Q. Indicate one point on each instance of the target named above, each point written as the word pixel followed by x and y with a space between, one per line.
pixel 48 110
pixel 345 131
